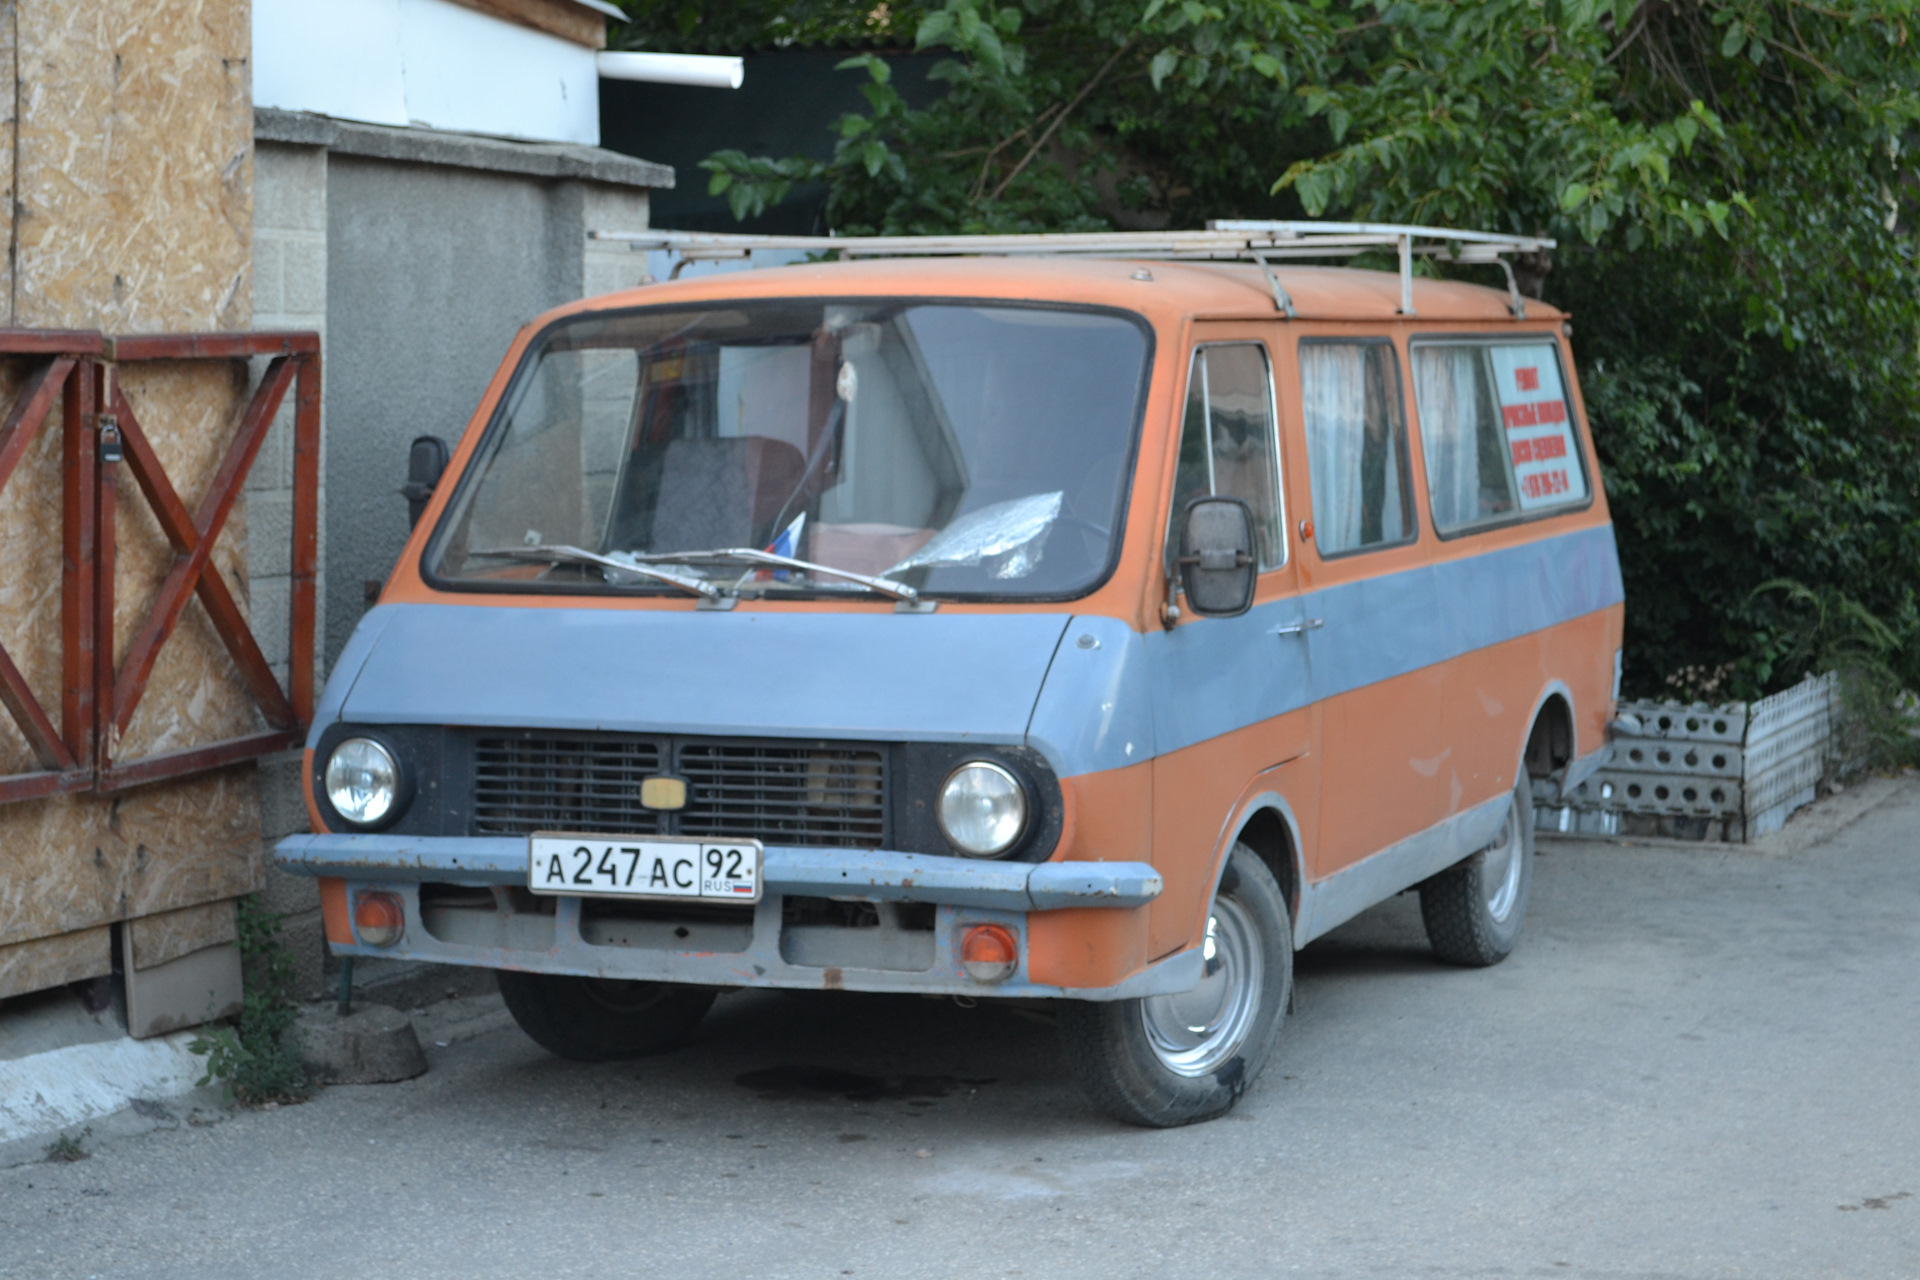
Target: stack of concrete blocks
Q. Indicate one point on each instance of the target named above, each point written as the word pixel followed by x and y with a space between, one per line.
pixel 1731 771
pixel 417 254
pixel 128 165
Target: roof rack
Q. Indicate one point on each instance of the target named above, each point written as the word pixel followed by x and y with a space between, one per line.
pixel 1261 242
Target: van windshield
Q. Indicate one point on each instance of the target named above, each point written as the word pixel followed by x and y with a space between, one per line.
pixel 956 450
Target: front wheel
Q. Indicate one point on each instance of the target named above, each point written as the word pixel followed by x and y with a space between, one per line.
pixel 602 1019
pixel 1163 1061
pixel 1474 909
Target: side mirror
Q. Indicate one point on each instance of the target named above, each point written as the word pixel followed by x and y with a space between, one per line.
pixel 1216 563
pixel 426 463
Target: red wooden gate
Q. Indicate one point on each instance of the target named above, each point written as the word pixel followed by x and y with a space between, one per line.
pixel 101 435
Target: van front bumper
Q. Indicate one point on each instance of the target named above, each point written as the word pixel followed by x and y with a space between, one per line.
pixel 768 952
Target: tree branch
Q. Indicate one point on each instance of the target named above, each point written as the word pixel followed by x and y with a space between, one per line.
pixel 980 180
pixel 1633 32
pixel 1041 141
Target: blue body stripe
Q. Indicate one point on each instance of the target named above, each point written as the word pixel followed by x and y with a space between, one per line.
pixel 1168 690
pixel 1087 691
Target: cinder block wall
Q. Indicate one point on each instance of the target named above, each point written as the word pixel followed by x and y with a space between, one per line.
pixel 417 255
pixel 289 292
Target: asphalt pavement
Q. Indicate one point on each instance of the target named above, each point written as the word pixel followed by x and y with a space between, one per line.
pixel 1703 1061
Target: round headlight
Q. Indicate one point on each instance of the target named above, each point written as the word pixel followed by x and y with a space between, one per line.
pixel 983 809
pixel 363 780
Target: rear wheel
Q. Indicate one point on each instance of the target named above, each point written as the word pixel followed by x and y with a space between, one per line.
pixel 1170 1060
pixel 1474 909
pixel 602 1019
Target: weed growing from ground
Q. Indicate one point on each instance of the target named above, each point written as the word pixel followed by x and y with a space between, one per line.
pixel 66 1148
pixel 251 1057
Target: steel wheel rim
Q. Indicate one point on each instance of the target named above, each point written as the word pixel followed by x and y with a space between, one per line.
pixel 1195 1033
pixel 1501 866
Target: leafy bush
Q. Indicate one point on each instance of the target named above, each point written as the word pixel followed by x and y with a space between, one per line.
pixel 1729 181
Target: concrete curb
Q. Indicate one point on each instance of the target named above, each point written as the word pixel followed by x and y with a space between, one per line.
pixel 45 1094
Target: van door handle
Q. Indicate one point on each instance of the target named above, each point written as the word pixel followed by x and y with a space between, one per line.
pixel 1300 628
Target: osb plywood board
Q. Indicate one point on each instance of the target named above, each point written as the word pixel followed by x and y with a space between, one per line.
pixel 172 934
pixel 73 862
pixel 194 695
pixel 189 412
pixel 134 165
pixel 127 158
pixel 30 587
pixel 49 962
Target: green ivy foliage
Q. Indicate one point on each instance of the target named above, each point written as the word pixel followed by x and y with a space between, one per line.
pixel 252 1058
pixel 1729 181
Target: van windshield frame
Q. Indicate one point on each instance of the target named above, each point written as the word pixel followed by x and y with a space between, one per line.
pixel 1110 433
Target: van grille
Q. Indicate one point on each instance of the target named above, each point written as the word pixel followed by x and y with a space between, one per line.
pixel 784 794
pixel 523 785
pixel 780 793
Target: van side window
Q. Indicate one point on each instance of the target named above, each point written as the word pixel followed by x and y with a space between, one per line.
pixel 1497 430
pixel 1356 445
pixel 1227 442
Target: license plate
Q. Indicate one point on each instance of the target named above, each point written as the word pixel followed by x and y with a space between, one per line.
pixel 653 867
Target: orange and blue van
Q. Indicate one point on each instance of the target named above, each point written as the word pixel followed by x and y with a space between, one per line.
pixel 1066 625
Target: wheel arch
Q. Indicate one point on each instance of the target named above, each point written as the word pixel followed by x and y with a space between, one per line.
pixel 1550 742
pixel 1265 823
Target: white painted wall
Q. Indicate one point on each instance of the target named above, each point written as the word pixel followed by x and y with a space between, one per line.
pixel 430 63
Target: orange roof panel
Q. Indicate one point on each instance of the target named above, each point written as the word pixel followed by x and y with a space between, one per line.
pixel 1172 287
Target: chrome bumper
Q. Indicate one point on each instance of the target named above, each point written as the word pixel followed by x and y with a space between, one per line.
pixel 875 875
pixel 768 953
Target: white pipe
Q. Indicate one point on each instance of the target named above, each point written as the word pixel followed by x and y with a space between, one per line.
pixel 673 68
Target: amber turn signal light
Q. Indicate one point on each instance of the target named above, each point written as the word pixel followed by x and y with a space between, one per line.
pixel 378 919
pixel 989 953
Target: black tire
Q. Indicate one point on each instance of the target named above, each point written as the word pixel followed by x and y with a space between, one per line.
pixel 1125 1066
pixel 601 1019
pixel 1475 909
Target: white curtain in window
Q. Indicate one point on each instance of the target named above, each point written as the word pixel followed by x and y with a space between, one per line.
pixel 1446 386
pixel 1353 444
pixel 1334 394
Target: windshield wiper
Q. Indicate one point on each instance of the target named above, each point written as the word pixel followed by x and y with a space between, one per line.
pixel 557 553
pixel 737 555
